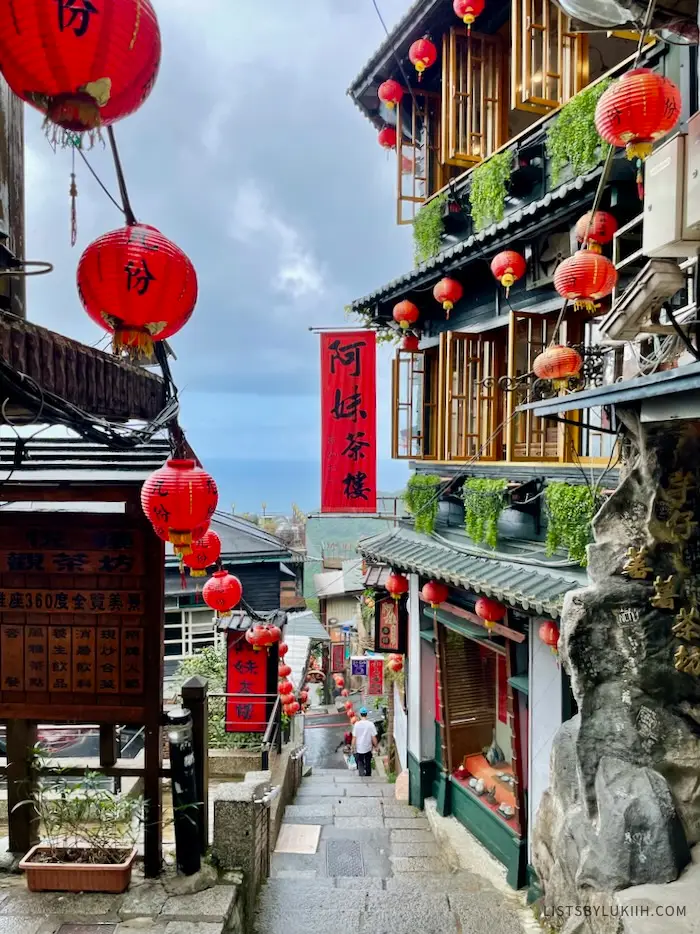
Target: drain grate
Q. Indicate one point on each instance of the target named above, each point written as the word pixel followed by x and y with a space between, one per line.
pixel 344 858
pixel 87 929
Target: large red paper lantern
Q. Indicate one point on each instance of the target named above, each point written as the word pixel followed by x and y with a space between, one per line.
pixel 643 106
pixel 138 285
pixel 396 585
pixel 405 314
pixel 205 552
pixel 390 93
pixel 549 634
pixel 222 592
pixel 601 229
pixel 468 10
pixel 422 55
pixel 180 497
pixel 584 279
pixel 411 343
pixel 448 292
pixel 387 137
pixel 435 593
pixel 83 63
pixel 508 266
pixel 559 364
pixel 490 611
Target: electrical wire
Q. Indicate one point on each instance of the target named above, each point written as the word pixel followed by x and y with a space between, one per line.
pixel 99 180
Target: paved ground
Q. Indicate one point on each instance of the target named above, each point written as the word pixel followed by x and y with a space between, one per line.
pixel 375 869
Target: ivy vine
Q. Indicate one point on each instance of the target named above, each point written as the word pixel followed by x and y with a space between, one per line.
pixel 570 510
pixel 422 501
pixel 572 138
pixel 484 501
pixel 489 188
pixel 429 229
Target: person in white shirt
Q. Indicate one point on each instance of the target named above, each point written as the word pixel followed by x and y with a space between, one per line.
pixel 364 737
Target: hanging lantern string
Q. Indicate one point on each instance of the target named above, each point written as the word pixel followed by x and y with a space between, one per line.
pixel 398 62
pixel 126 204
pixel 73 203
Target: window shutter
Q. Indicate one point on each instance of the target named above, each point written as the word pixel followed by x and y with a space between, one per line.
pixel 469 698
pixel 419 171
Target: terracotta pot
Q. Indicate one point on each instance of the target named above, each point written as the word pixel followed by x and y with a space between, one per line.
pixel 111 879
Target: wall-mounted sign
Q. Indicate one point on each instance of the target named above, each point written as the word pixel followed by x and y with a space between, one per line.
pixel 358 667
pixel 246 677
pixel 337 657
pixel 375 677
pixel 391 625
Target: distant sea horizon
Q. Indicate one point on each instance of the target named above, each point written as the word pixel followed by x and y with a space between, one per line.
pixel 244 485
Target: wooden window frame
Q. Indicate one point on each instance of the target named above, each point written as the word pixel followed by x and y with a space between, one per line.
pixel 419 143
pixel 432 409
pixel 488 446
pixel 570 70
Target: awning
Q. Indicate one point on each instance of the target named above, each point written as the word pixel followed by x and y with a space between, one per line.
pixel 377 577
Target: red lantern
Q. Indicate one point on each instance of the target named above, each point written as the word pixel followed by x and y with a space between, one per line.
pixel 584 278
pixel 641 107
pixel 354 720
pixel 286 687
pixel 339 682
pixel 179 496
pixel 549 634
pixel 222 592
pixel 395 663
pixel 84 65
pixel 348 705
pixel 422 55
pixel 396 585
pixel 468 10
pixel 560 364
pixel 344 692
pixel 508 266
pixel 183 550
pixel 138 285
pixel 405 314
pixel 303 696
pixel 284 671
pixel 294 708
pixel 275 634
pixel 387 137
pixel 435 593
pixel 448 292
pixel 283 649
pixel 390 93
pixel 411 343
pixel 205 552
pixel 601 229
pixel 490 611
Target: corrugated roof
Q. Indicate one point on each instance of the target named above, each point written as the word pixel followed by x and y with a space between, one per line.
pixel 535 589
pixel 306 624
pixel 348 580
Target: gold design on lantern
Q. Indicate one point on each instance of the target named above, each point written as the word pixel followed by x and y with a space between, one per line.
pixel 664 592
pixel 687 625
pixel 681 525
pixel 687 660
pixel 636 566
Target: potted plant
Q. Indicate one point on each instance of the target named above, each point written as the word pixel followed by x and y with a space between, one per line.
pixel 89 837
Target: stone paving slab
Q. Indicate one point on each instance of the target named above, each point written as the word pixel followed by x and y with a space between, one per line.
pixel 416 864
pixel 297 861
pixel 366 883
pixel 293 812
pixel 86 907
pixel 144 901
pixel 358 807
pixel 415 849
pixel 307 787
pixel 403 823
pixel 187 927
pixel 408 882
pixel 302 922
pixel 362 823
pixel 480 911
pixel 211 906
pixel 375 834
pixel 411 836
pixel 17 925
pixel 402 811
pixel 394 914
pixel 364 791
pixel 143 926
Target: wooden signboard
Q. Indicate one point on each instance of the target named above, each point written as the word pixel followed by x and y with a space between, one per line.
pixel 80 617
pixel 391 625
pixel 337 657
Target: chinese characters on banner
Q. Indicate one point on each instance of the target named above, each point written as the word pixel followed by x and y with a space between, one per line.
pixel 375 678
pixel 348 422
pixel 391 625
pixel 337 657
pixel 246 676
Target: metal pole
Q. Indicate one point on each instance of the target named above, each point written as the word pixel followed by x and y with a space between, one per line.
pixel 195 698
pixel 186 802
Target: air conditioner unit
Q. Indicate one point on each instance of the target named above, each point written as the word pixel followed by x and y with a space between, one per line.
pixel 637 310
pixel 666 227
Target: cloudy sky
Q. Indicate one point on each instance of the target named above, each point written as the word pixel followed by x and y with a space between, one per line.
pixel 250 156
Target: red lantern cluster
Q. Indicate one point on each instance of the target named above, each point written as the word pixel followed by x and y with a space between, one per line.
pixel 206 551
pixel 387 137
pixel 558 364
pixel 411 343
pixel 138 285
pixel 600 227
pixel 435 593
pixel 448 292
pixel 507 267
pixel 422 55
pixel 584 279
pixel 180 499
pixel 222 593
pixel 405 314
pixel 395 663
pixel 390 93
pixel 468 10
pixel 549 634
pixel 490 611
pixel 396 585
pixel 292 708
pixel 262 637
pixel 84 65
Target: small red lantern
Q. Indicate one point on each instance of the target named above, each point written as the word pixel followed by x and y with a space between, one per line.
pixel 348 705
pixel 643 106
pixel 490 611
pixel 303 696
pixel 284 671
pixel 222 592
pixel 199 532
pixel 448 292
pixel 294 708
pixel 286 687
pixel 584 278
pixel 275 634
pixel 138 285
pixel 84 65
pixel 422 55
pixel 387 138
pixel 390 93
pixel 601 229
pixel 508 266
pixel 396 585
pixel 468 10
pixel 339 682
pixel 405 314
pixel 344 692
pixel 205 552
pixel 283 649
pixel 354 720
pixel 558 363
pixel 435 593
pixel 411 343
pixel 179 496
pixel 549 634
pixel 395 663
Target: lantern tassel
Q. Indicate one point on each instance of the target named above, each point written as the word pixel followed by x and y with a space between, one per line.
pixel 640 180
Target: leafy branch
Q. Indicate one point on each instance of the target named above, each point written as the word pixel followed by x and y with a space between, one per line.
pixel 484 501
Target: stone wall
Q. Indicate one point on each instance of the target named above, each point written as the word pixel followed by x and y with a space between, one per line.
pixel 623 806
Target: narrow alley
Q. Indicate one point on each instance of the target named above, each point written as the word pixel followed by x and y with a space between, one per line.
pixel 349 858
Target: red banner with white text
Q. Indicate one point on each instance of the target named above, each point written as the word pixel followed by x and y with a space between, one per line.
pixel 246 683
pixel 349 422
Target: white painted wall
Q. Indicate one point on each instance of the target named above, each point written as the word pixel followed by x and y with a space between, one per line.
pixel 545 700
pixel 427 734
pixel 400 728
pixel 414 683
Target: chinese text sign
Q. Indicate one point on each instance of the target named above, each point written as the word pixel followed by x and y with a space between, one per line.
pixel 246 677
pixel 375 679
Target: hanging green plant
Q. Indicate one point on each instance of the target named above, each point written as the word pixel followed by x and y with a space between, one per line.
pixel 429 229
pixel 572 138
pixel 384 335
pixel 484 501
pixel 570 510
pixel 422 500
pixel 489 188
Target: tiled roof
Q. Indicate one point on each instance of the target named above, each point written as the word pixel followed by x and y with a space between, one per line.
pixel 241 540
pixel 536 589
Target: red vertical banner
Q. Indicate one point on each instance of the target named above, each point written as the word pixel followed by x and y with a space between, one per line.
pixel 502 690
pixel 375 677
pixel 246 677
pixel 337 656
pixel 349 422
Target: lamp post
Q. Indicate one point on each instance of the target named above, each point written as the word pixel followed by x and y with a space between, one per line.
pixel 186 802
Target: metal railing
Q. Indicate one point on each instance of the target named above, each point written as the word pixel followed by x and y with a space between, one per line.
pixel 273 734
